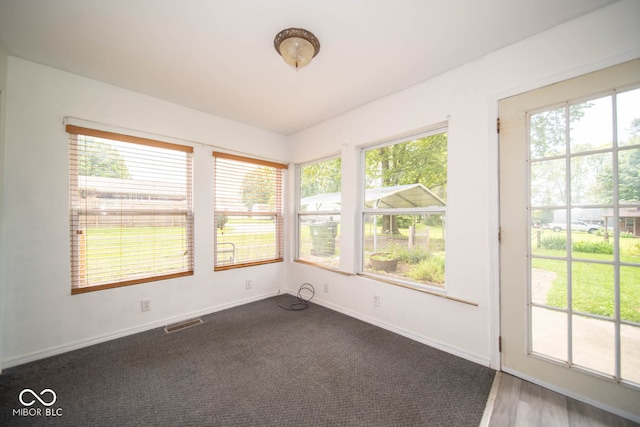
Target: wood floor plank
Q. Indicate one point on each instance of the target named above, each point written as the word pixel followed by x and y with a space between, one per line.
pixel 505 407
pixel 521 403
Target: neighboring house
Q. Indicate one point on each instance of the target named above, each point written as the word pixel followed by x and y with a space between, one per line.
pixel 629 220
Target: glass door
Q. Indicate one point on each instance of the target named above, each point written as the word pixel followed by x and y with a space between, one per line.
pixel 570 262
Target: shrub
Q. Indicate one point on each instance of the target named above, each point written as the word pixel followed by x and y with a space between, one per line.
pixel 429 270
pixel 413 256
pixel 554 242
pixel 593 247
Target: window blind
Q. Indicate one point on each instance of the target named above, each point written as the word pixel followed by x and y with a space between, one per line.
pixel 248 204
pixel 131 209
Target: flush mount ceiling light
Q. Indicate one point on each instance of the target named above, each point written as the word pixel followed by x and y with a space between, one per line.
pixel 296 46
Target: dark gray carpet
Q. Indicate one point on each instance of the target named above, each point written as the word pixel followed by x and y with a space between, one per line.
pixel 254 365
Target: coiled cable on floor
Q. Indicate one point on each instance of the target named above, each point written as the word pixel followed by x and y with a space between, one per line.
pixel 305 294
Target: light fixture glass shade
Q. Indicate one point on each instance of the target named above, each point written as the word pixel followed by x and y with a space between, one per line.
pixel 296 46
pixel 296 52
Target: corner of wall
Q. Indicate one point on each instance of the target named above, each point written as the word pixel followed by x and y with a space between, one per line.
pixel 3 90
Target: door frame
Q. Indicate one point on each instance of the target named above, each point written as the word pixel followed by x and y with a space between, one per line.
pixel 591 389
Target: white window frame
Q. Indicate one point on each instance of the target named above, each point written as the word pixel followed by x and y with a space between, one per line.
pixel 362 211
pixel 299 213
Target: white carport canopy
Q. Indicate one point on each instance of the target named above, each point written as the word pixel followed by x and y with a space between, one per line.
pixel 394 197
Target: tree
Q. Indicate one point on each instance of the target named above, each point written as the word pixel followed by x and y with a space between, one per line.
pixel 320 178
pixel 548 129
pixel 258 187
pixel 629 167
pixel 420 161
pixel 629 176
pixel 628 172
pixel 99 158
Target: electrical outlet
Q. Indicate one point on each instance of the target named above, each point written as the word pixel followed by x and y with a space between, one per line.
pixel 248 284
pixel 145 305
pixel 326 287
pixel 376 301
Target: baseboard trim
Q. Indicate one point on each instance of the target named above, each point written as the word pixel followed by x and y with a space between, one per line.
pixel 476 358
pixel 53 351
pixel 617 411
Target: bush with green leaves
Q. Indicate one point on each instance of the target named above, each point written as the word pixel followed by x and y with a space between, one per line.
pixel 554 242
pixel 411 256
pixel 430 270
pixel 593 247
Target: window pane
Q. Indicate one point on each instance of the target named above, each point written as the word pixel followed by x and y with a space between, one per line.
pixel 592 289
pixel 589 237
pixel 629 176
pixel 411 174
pixel 319 239
pixel 630 293
pixel 248 211
pixel 551 239
pixel 319 213
pixel 594 344
pixel 131 211
pixel 549 282
pixel 629 236
pixel 591 179
pixel 591 126
pixel 415 252
pixel 548 183
pixel 407 179
pixel 547 133
pixel 628 112
pixel 630 353
pixel 246 238
pixel 320 186
pixel 549 333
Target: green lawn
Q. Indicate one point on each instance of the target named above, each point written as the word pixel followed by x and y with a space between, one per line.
pixel 116 254
pixel 593 283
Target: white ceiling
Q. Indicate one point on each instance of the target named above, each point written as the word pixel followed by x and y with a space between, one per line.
pixel 217 56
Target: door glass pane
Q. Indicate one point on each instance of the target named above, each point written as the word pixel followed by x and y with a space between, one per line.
pixel 630 352
pixel 548 183
pixel 628 112
pixel 591 125
pixel 547 133
pixel 629 175
pixel 592 288
pixel 591 179
pixel 630 294
pixel 594 344
pixel 549 333
pixel 549 282
pixel 589 238
pixel 551 238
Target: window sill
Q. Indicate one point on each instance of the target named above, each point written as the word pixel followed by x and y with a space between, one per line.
pixel 323 267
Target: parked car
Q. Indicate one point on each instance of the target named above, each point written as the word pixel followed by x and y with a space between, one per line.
pixel 575 226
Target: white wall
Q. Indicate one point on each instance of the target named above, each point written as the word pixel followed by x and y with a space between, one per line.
pixel 467 98
pixel 42 316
